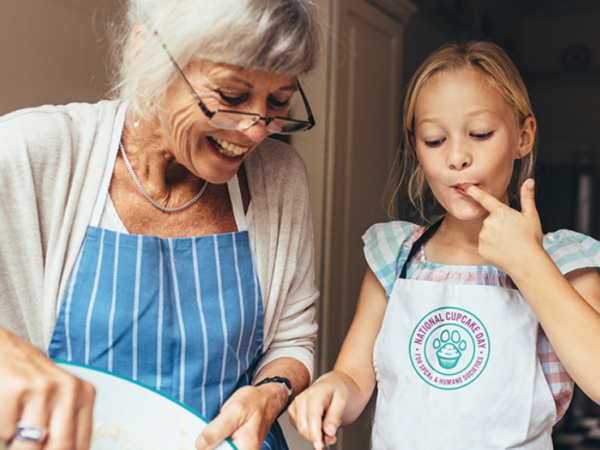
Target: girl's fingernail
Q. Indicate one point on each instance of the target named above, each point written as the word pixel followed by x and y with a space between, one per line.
pixel 331 429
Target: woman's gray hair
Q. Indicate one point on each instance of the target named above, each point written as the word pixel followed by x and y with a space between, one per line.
pixel 280 36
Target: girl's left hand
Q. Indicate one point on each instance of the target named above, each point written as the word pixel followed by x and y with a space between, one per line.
pixel 509 238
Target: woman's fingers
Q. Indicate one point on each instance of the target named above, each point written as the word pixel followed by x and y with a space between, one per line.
pixel 215 432
pixel 71 419
pixel 85 416
pixel 11 410
pixel 47 407
pixel 243 418
pixel 31 431
pixel 60 405
pixel 25 399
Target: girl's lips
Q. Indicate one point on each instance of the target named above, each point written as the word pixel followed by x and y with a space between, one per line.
pixel 464 186
pixel 461 188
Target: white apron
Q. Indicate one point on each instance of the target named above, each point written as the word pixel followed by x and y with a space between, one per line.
pixel 457 368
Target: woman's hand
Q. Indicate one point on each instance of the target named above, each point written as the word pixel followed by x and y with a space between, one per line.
pixel 246 417
pixel 317 412
pixel 38 393
pixel 509 239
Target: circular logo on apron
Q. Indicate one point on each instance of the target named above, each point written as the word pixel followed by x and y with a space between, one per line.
pixel 449 348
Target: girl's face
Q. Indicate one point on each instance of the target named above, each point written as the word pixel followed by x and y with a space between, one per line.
pixel 466 134
pixel 211 153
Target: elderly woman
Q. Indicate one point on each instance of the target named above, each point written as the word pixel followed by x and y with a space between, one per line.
pixel 159 236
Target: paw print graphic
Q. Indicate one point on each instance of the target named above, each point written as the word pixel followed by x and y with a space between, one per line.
pixel 449 348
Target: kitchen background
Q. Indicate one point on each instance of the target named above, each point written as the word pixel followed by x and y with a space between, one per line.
pixel 55 51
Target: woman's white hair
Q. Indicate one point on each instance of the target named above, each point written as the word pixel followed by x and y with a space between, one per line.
pixel 279 36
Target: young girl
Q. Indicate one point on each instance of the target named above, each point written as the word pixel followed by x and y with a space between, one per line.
pixel 466 327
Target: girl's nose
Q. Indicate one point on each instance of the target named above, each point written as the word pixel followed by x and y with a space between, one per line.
pixel 458 158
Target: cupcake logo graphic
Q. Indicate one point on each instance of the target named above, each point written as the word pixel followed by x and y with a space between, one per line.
pixel 449 348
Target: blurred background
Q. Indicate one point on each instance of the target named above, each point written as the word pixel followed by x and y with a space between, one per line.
pixel 56 51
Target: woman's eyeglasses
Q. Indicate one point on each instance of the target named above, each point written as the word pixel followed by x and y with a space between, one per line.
pixel 236 120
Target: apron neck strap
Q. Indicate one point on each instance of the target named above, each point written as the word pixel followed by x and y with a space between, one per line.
pixel 418 244
pixel 237 204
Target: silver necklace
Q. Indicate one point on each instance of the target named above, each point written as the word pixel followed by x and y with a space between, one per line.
pixel 147 196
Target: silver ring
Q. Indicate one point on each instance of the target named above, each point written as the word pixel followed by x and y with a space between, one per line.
pixel 27 433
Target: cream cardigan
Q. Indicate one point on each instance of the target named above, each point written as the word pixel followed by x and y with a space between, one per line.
pixel 52 159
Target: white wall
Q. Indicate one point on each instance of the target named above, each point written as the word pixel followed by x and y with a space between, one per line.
pixel 53 51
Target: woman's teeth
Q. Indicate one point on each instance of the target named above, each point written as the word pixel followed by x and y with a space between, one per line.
pixel 229 149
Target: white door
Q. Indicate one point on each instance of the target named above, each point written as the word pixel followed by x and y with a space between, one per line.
pixel 357 97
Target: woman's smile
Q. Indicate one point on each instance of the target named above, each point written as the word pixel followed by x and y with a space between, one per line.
pixel 215 153
pixel 227 148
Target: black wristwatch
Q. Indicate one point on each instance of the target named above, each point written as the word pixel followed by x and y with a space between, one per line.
pixel 281 380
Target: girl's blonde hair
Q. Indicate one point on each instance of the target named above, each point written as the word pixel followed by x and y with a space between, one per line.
pixel 501 72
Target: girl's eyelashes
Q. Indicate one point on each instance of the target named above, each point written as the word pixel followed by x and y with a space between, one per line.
pixel 434 143
pixel 482 136
pixel 477 136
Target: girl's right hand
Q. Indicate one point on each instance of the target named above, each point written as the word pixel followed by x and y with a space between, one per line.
pixel 38 393
pixel 340 396
pixel 510 239
pixel 317 412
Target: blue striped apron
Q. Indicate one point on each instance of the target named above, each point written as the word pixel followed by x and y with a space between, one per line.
pixel 181 315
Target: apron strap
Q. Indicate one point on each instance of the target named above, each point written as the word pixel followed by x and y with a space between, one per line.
pixel 418 244
pixel 236 203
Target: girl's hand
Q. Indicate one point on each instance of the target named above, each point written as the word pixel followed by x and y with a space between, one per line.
pixel 317 412
pixel 509 238
pixel 37 392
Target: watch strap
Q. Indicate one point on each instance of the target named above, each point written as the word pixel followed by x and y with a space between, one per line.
pixel 281 380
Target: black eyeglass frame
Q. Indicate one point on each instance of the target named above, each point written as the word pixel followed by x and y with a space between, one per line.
pixel 208 113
